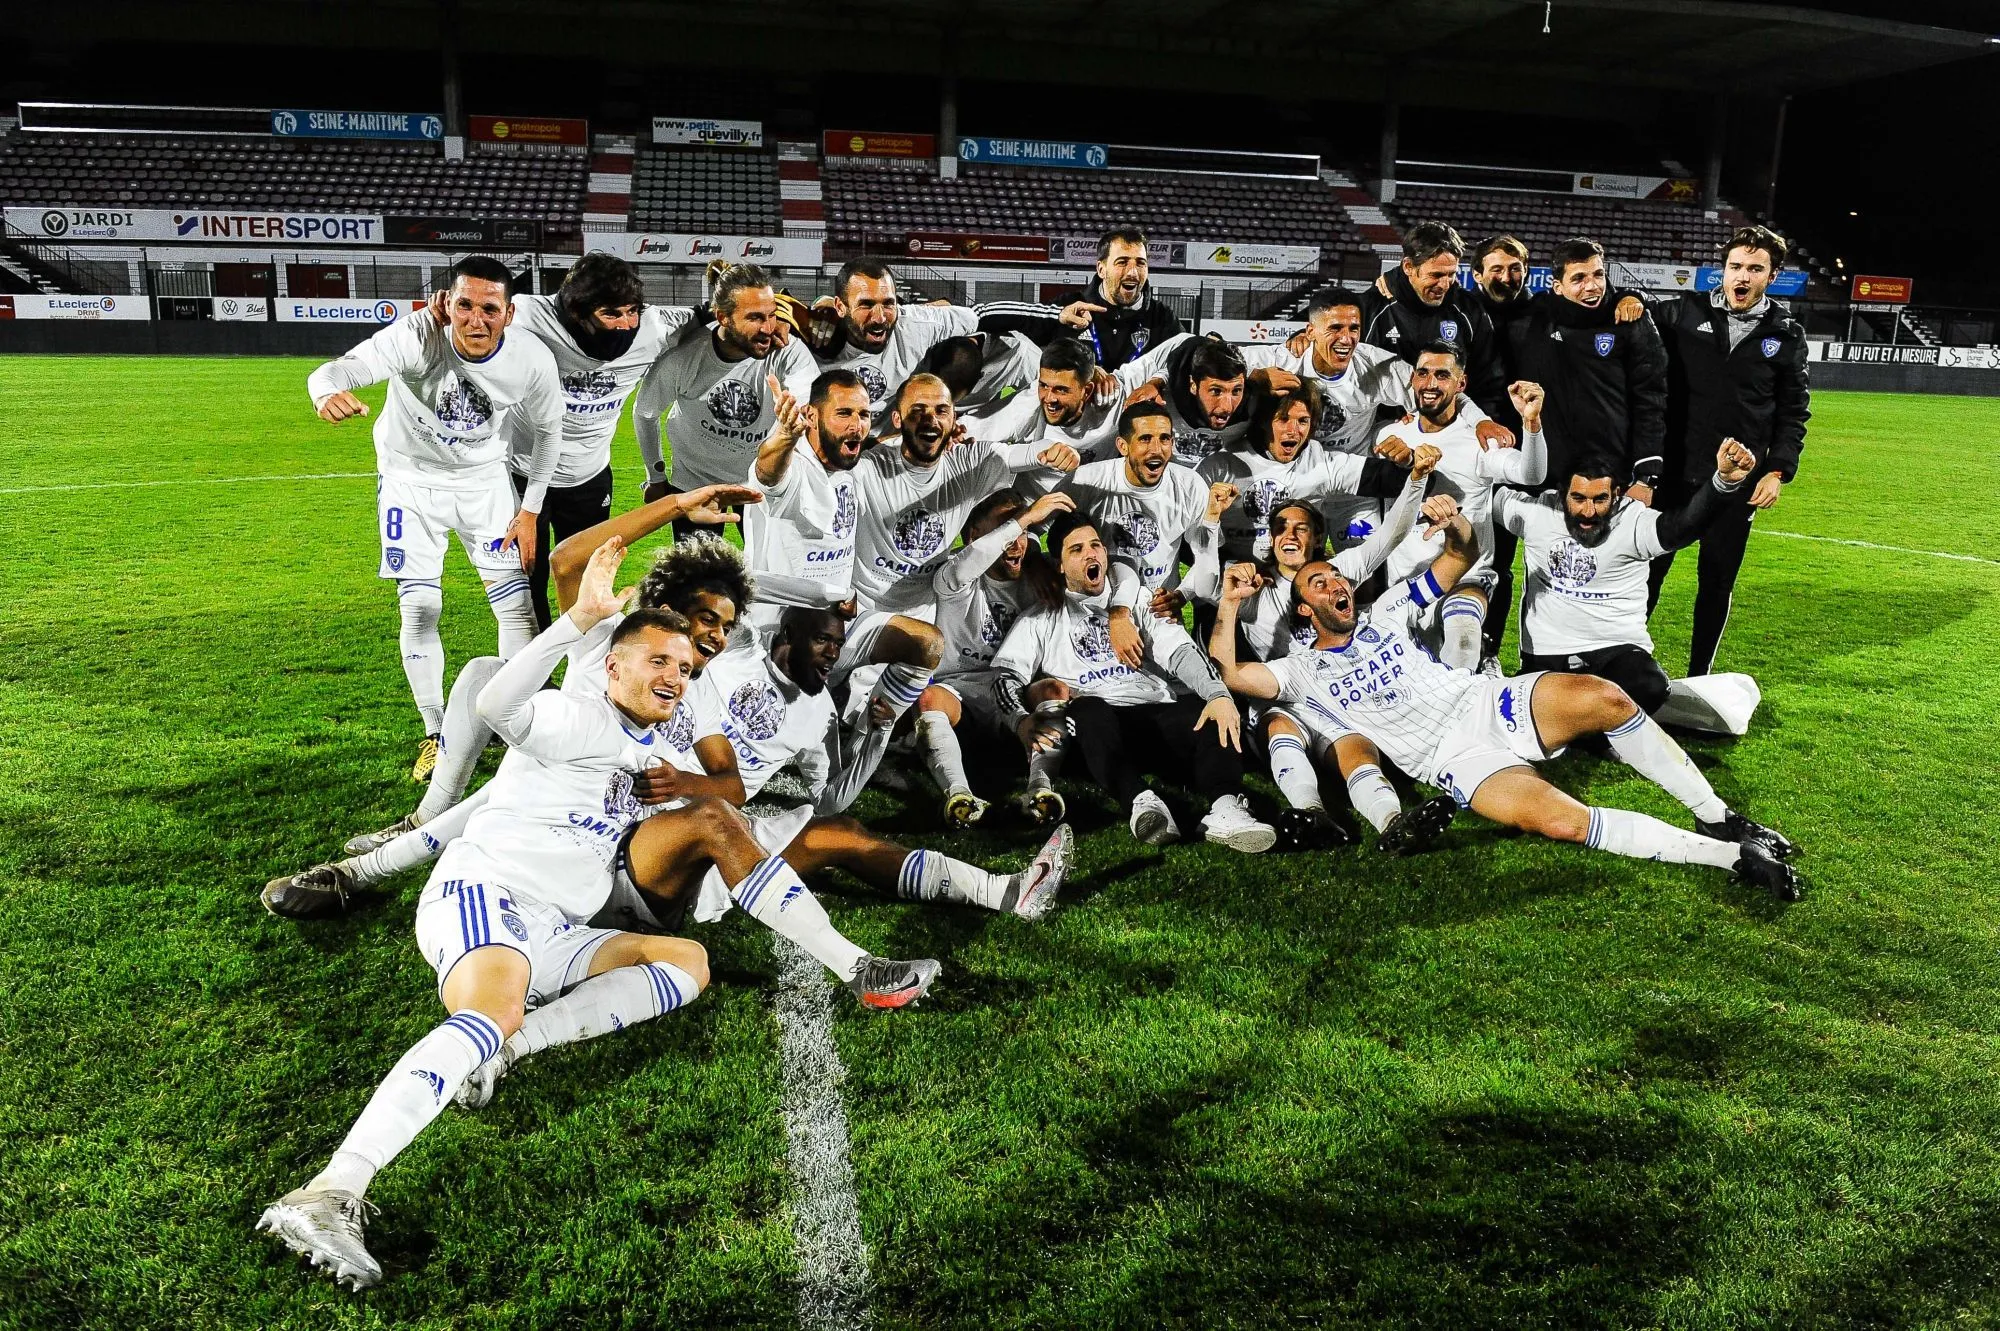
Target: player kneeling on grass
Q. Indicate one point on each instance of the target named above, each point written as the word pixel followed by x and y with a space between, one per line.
pixel 1114 708
pixel 503 920
pixel 1476 736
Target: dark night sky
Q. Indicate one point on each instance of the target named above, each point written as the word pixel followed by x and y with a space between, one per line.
pixel 1910 154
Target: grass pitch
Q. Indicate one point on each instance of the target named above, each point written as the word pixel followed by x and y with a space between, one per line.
pixel 1506 1084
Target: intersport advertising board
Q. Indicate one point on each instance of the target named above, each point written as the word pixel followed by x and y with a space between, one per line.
pixel 194 224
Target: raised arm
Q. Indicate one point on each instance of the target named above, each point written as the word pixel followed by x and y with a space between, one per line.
pixel 1358 563
pixel 1529 464
pixel 543 722
pixel 1684 526
pixel 573 555
pixel 1461 544
pixel 387 352
pixel 1250 678
pixel 1646 399
pixel 774 455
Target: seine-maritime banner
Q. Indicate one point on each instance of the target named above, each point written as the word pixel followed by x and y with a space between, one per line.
pixel 357 125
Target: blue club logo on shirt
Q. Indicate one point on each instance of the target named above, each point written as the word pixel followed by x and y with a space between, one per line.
pixel 1769 346
pixel 1603 342
pixel 1447 330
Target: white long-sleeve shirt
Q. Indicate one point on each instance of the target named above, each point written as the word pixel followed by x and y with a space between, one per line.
pixel 799 543
pixel 718 412
pixel 594 392
pixel 1072 642
pixel 1468 474
pixel 974 608
pixel 918 329
pixel 1143 524
pixel 1264 486
pixel 445 423
pixel 554 814
pixel 1270 627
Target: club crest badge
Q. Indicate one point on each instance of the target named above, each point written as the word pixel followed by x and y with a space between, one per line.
pixel 589 385
pixel 1092 639
pixel 757 709
pixel 1571 564
pixel 845 512
pixel 1447 330
pixel 1140 337
pixel 918 535
pixel 461 406
pixel 1769 346
pixel 393 556
pixel 1603 342
pixel 734 403
pixel 1139 532
pixel 873 380
pixel 1368 633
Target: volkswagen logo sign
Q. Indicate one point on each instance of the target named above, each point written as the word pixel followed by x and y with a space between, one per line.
pixel 55 222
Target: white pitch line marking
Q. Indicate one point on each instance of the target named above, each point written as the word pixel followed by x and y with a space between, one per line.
pixel 826 1217
pixel 205 480
pixel 1870 545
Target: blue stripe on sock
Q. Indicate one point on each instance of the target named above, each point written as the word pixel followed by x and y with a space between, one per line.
pixel 1594 838
pixel 670 992
pixel 508 591
pixel 478 1030
pixel 1286 742
pixel 1360 772
pixel 1460 609
pixel 659 994
pixel 405 588
pixel 752 887
pixel 1638 719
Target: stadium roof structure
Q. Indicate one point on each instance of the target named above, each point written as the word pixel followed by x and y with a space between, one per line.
pixel 1437 52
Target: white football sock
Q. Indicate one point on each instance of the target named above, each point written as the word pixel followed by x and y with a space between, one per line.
pixel 465 738
pixel 942 755
pixel 415 1092
pixel 1651 752
pixel 513 605
pixel 899 687
pixel 929 876
pixel 1292 769
pixel 1374 798
pixel 1461 618
pixel 422 605
pixel 1644 837
pixel 412 848
pixel 603 1004
pixel 1043 767
pixel 775 897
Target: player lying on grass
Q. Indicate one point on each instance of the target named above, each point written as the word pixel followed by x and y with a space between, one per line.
pixel 764 711
pixel 1476 736
pixel 1269 631
pixel 504 919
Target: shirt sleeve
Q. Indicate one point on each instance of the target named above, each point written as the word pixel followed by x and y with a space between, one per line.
pixel 1526 465
pixel 543 722
pixel 397 349
pixel 970 561
pixel 542 407
pixel 796 369
pixel 649 404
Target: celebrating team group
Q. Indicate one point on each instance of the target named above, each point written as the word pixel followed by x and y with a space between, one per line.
pixel 1073 540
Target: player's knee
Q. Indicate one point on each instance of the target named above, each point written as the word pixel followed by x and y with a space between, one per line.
pixel 693 958
pixel 1282 725
pixel 715 819
pixel 1606 702
pixel 421 606
pixel 915 643
pixel 1648 689
pixel 824 833
pixel 1564 822
pixel 935 699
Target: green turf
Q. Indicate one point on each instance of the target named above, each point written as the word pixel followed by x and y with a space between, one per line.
pixel 1507 1084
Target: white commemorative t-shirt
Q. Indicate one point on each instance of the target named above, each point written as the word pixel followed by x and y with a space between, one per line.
pixel 552 828
pixel 1072 643
pixel 1383 684
pixel 693 721
pixel 1468 474
pixel 975 608
pixel 799 543
pixel 1144 525
pixel 1264 486
pixel 910 516
pixel 594 391
pixel 767 718
pixel 445 423
pixel 1577 597
pixel 1375 378
pixel 918 329
pixel 717 412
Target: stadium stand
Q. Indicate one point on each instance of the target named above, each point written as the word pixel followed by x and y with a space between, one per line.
pixel 873 201
pixel 706 189
pixel 142 171
pixel 1640 231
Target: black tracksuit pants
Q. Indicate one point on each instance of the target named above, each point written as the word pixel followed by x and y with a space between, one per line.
pixel 1719 558
pixel 1631 668
pixel 1118 740
pixel 568 510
